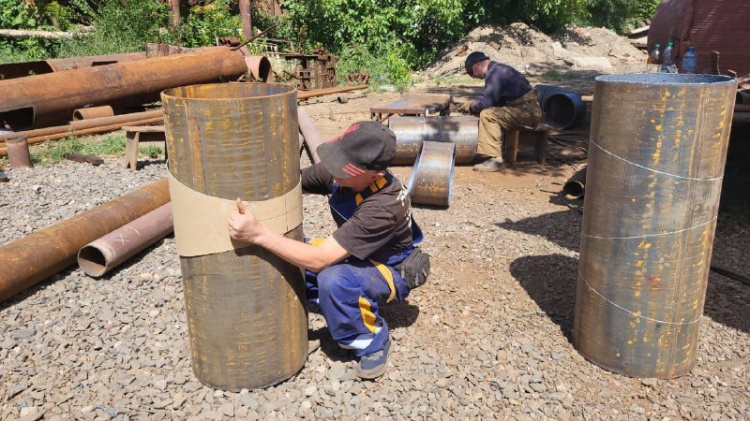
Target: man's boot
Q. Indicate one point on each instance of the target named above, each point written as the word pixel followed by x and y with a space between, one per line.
pixel 490 165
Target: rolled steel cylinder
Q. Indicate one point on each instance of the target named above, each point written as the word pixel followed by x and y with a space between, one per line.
pixel 103 254
pixel 246 318
pixel 33 258
pixel 575 187
pixel 463 131
pixel 18 152
pixel 93 112
pixel 656 160
pixel 431 181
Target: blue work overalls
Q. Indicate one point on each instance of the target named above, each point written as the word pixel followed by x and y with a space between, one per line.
pixel 351 292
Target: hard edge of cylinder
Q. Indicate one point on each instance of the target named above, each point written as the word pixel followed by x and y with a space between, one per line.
pixel 619 371
pixel 166 96
pixel 235 390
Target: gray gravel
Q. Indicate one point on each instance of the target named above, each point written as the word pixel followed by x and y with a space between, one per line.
pixel 486 338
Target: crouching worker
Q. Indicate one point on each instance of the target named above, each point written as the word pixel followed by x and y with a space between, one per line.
pixel 371 259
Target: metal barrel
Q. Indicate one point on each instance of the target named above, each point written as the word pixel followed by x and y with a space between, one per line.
pixel 561 108
pixel 656 160
pixel 246 316
pixel 431 181
pixel 410 132
pixel 103 254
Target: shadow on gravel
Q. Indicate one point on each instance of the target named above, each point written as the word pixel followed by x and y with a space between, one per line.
pixel 562 228
pixel 398 316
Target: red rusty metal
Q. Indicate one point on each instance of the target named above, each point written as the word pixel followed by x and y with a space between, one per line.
pixel 34 258
pixel 93 112
pixel 310 134
pixel 16 70
pixel 18 152
pixel 50 98
pixel 106 253
pixel 246 9
pixel 328 91
pixel 260 68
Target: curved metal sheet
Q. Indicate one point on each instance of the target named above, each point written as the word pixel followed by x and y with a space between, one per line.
pixel 410 132
pixel 246 315
pixel 656 160
pixel 431 181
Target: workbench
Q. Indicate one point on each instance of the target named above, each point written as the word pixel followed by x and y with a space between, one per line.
pixel 413 105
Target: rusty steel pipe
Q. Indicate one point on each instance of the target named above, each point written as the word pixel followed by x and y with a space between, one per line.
pixel 32 68
pixel 245 307
pixel 260 68
pixel 93 112
pixel 34 258
pixel 103 254
pixel 410 132
pixel 18 152
pixel 431 181
pixel 656 160
pixel 328 91
pixel 51 98
pixel 575 187
pixel 310 134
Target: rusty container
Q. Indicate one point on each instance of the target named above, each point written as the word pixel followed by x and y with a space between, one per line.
pixel 410 132
pixel 17 147
pixel 431 181
pixel 656 160
pixel 245 307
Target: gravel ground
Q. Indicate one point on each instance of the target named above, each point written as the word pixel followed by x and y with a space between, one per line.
pixel 487 338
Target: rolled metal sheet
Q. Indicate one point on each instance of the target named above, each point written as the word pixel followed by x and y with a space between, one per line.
pixel 104 254
pixel 463 131
pixel 245 312
pixel 431 181
pixel 93 112
pixel 656 160
pixel 575 187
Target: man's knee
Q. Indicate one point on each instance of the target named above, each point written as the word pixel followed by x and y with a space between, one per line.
pixel 333 280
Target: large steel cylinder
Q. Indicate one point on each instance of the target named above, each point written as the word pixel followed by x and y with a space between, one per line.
pixel 245 307
pixel 410 132
pixel 656 161
pixel 431 181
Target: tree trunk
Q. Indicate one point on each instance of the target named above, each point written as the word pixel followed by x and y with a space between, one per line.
pixel 246 9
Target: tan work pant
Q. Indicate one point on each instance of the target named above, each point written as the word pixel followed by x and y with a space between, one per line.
pixel 522 113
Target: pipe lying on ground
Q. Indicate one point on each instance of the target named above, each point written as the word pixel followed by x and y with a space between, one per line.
pixel 93 112
pixel 328 91
pixel 576 185
pixel 463 131
pixel 51 98
pixel 431 181
pixel 34 258
pixel 106 253
pixel 656 160
pixel 310 134
pixel 32 68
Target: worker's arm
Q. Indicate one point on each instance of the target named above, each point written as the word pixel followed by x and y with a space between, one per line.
pixel 244 227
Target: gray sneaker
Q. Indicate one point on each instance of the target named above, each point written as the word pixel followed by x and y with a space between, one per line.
pixel 374 365
pixel 490 165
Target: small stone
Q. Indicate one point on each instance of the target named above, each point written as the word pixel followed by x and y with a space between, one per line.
pixel 87 409
pixel 154 313
pixel 650 382
pixel 250 402
pixel 558 355
pixel 537 387
pixel 311 390
pixel 227 409
pixel 23 334
pixel 337 372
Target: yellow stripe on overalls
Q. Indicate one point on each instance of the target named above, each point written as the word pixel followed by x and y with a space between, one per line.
pixel 368 317
pixel 383 269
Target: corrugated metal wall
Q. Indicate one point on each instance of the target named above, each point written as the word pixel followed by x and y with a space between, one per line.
pixel 720 25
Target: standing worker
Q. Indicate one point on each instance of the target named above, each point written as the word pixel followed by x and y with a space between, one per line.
pixel 508 102
pixel 370 260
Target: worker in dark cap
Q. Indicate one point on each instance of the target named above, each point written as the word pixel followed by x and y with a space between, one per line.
pixel 508 102
pixel 371 259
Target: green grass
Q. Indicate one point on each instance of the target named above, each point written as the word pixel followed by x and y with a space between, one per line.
pixel 112 145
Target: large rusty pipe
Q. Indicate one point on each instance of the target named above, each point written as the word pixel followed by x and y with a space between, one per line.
pixel 260 68
pixel 51 98
pixel 34 258
pixel 410 132
pixel 18 152
pixel 105 253
pixel 32 68
pixel 431 181
pixel 309 133
pixel 93 112
pixel 245 306
pixel 328 91
pixel 656 160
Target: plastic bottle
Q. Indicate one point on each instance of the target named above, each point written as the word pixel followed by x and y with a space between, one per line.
pixel 667 64
pixel 653 63
pixel 690 61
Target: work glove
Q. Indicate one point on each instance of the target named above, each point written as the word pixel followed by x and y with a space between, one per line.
pixel 465 107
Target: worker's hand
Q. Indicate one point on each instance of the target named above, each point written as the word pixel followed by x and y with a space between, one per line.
pixel 465 107
pixel 243 226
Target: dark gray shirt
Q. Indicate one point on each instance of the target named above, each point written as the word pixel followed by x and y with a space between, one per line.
pixel 502 84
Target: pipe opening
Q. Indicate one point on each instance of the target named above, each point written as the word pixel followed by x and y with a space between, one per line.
pixel 223 91
pixel 573 189
pixel 92 261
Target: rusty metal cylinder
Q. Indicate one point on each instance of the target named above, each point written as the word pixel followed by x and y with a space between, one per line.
pixel 431 181
pixel 410 132
pixel 656 161
pixel 18 152
pixel 575 187
pixel 103 254
pixel 245 307
pixel 93 112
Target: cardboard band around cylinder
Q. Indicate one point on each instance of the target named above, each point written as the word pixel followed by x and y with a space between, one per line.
pixel 656 161
pixel 246 317
pixel 410 132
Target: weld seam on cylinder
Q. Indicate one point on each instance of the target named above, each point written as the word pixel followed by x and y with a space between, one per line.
pixel 632 312
pixel 591 141
pixel 650 235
